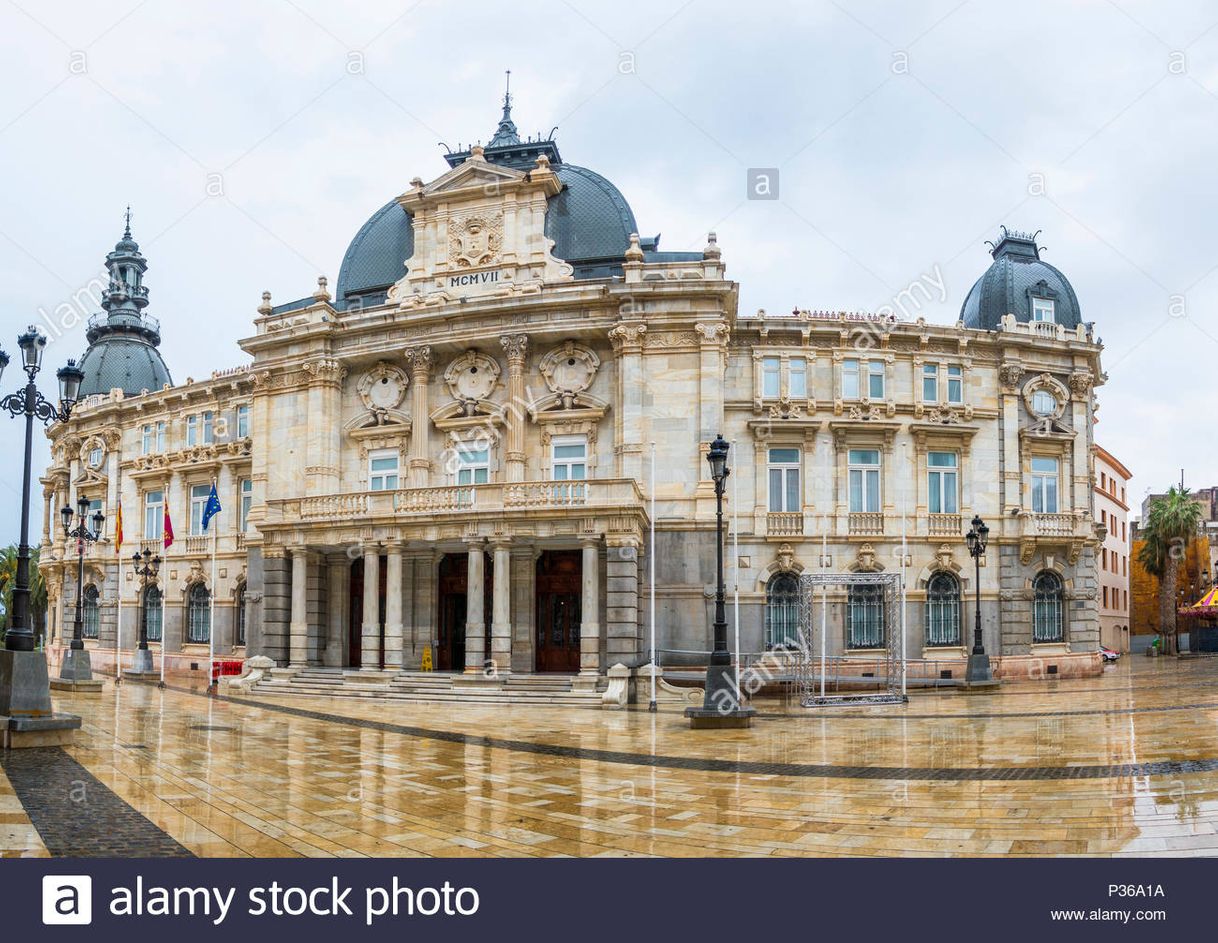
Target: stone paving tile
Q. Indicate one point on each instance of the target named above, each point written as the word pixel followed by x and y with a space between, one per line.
pixel 1123 764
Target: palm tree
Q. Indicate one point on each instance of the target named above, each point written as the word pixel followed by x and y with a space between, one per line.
pixel 8 582
pixel 1171 522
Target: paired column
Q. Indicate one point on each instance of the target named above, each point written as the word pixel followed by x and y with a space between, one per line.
pixel 419 360
pixel 298 631
pixel 370 630
pixel 338 575
pixel 501 615
pixel 393 607
pixel 589 608
pixel 475 616
pixel 516 347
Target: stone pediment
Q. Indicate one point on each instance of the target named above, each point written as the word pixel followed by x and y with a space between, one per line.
pixel 479 231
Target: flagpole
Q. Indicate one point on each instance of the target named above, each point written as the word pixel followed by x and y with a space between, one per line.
pixel 164 517
pixel 651 580
pixel 736 569
pixel 904 556
pixel 824 601
pixel 118 582
pixel 211 610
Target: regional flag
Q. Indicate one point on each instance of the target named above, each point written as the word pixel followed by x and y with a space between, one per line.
pixel 167 529
pixel 118 529
pixel 212 508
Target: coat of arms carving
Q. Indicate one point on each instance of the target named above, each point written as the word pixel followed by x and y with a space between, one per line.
pixel 476 240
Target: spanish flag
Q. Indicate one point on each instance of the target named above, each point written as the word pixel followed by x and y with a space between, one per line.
pixel 118 529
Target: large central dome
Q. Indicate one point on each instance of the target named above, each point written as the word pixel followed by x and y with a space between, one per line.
pixel 589 221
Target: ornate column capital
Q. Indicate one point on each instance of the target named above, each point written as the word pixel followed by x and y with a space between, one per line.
pixel 419 360
pixel 516 347
pixel 627 336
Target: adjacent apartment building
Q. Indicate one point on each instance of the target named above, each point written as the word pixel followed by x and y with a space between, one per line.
pixel 1112 514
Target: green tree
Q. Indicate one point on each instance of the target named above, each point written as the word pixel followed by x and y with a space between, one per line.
pixel 8 582
pixel 1171 522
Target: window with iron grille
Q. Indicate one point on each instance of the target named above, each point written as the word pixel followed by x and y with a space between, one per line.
pixel 1047 608
pixel 782 611
pixel 198 614
pixel 943 610
pixel 91 614
pixel 152 613
pixel 865 616
pixel 240 615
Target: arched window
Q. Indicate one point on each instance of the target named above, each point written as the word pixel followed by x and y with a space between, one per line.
pixel 782 611
pixel 240 616
pixel 865 616
pixel 198 614
pixel 152 613
pixel 943 610
pixel 1047 608
pixel 90 615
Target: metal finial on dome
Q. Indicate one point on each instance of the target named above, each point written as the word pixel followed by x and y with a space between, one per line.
pixel 506 133
pixel 127 217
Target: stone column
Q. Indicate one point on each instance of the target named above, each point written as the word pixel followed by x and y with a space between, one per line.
pixel 419 359
pixel 338 571
pixel 423 605
pixel 475 617
pixel 393 607
pixel 299 626
pixel 48 495
pixel 370 631
pixel 622 598
pixel 590 605
pixel 515 346
pixel 501 614
pixel 712 337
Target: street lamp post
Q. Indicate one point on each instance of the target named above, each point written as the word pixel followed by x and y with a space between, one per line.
pixel 145 565
pixel 76 666
pixel 978 671
pixel 24 685
pixel 721 702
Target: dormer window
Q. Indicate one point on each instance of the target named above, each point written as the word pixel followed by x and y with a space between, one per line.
pixel 1042 310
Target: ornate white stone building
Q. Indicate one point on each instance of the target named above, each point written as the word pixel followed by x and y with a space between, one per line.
pixel 450 455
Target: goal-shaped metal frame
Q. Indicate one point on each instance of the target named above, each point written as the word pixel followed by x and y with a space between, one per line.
pixel 817 671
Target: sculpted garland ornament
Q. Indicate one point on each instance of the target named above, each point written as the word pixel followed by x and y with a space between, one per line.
pixel 383 388
pixel 568 371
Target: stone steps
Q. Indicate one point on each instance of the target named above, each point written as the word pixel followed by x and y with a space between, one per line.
pixel 432 687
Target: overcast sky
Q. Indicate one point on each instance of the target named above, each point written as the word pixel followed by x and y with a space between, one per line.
pixel 253 138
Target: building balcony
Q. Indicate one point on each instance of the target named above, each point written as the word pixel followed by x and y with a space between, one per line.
pixel 1070 531
pixel 784 524
pixel 945 525
pixel 456 501
pixel 868 523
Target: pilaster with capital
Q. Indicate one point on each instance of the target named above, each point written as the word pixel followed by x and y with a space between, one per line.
pixel 515 346
pixel 627 340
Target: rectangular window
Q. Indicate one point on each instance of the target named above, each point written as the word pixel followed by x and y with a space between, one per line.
pixel 243 421
pixel 154 514
pixel 875 379
pixel 850 379
pixel 146 440
pixel 198 501
pixel 864 476
pixel 955 384
pixel 192 430
pixel 942 482
pixel 473 466
pixel 208 428
pixel 769 376
pixel 1042 309
pixel 247 501
pixel 797 378
pixel 930 383
pixel 1044 485
pixel 383 470
pixel 784 480
pixel 160 436
pixel 570 458
pixel 1105 597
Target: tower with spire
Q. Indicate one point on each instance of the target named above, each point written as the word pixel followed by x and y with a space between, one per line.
pixel 123 340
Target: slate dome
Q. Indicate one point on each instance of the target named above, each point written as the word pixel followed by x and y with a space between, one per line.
pixel 1019 282
pixel 589 221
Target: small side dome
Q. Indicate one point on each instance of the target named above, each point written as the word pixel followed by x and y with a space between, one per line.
pixel 1019 282
pixel 376 258
pixel 129 362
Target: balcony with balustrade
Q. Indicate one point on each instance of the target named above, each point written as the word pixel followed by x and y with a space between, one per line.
pixel 865 523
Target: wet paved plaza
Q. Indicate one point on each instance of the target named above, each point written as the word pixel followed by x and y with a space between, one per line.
pixel 1123 764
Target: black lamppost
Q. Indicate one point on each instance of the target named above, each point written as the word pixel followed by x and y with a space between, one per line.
pixel 76 662
pixel 30 403
pixel 978 661
pixel 146 566
pixel 721 702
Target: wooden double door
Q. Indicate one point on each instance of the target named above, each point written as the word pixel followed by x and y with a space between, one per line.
pixel 559 596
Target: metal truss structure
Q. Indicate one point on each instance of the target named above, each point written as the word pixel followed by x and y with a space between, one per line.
pixel 822 679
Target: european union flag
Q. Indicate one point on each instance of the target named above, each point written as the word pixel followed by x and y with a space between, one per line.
pixel 212 508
